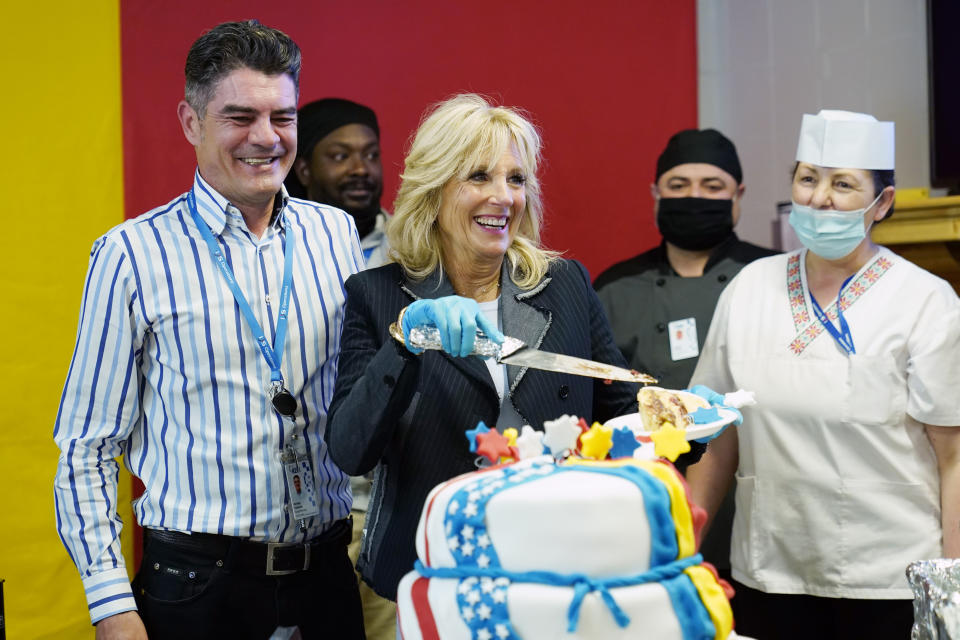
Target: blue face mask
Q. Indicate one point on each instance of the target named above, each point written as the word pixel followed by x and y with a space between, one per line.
pixel 829 233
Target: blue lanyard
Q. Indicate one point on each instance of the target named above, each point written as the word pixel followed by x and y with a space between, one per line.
pixel 843 336
pixel 274 354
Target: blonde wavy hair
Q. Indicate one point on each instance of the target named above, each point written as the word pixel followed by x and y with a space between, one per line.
pixel 458 137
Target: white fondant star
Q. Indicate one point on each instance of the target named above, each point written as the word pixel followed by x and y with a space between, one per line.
pixel 449 528
pixel 739 398
pixel 470 510
pixel 502 631
pixel 466 532
pixel 499 596
pixel 467 614
pixel 453 542
pixel 483 541
pixel 561 434
pixel 484 611
pixel 453 507
pixel 486 585
pixel 473 597
pixel 464 588
pixel 484 634
pixel 474 495
pixel 488 490
pixel 502 582
pixel 467 549
pixel 530 442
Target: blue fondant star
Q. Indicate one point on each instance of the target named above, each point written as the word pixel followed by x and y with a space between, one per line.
pixel 624 443
pixel 473 433
pixel 705 416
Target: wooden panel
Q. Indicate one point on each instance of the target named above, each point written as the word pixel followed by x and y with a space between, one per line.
pixel 926 232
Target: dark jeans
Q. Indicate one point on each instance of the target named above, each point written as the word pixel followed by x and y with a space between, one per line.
pixel 186 592
pixel 776 616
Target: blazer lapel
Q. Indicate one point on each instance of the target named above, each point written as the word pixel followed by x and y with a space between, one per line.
pixel 521 319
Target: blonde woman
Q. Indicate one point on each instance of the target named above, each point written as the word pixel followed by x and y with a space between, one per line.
pixel 466 239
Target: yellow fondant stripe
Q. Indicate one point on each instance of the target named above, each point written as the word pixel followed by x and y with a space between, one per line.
pixel 711 593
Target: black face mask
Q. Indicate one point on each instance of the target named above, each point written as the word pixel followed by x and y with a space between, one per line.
pixel 695 223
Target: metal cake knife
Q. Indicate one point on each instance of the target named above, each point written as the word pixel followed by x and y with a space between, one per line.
pixel 515 352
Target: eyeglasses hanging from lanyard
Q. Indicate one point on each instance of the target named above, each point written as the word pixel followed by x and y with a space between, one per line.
pixel 283 401
pixel 843 335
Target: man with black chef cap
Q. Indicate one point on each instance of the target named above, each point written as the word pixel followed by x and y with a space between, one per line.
pixel 338 163
pixel 660 302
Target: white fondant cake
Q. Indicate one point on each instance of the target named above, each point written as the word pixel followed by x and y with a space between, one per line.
pixel 576 550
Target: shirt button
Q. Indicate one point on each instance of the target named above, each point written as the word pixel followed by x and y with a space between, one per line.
pixel 564 392
pixel 661 327
pixel 661 282
pixel 722 277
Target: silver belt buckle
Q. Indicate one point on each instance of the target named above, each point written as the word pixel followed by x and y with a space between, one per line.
pixel 271 546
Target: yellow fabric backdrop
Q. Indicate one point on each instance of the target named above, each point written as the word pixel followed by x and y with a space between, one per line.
pixel 62 186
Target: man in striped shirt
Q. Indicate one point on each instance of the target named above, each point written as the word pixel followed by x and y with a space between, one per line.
pixel 206 355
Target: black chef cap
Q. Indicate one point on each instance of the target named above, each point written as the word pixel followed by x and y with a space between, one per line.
pixel 318 118
pixel 708 146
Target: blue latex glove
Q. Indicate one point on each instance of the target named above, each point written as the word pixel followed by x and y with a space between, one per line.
pixel 457 320
pixel 715 399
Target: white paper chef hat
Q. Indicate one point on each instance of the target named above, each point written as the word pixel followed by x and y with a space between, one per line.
pixel 843 139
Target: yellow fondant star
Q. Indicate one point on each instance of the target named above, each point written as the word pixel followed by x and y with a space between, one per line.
pixel 669 442
pixel 511 436
pixel 596 442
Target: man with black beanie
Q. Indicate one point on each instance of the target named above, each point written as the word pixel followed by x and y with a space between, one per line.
pixel 338 163
pixel 660 302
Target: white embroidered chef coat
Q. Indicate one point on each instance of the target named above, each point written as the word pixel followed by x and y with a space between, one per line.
pixel 837 485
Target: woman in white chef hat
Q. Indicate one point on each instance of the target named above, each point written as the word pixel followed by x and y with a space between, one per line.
pixel 848 467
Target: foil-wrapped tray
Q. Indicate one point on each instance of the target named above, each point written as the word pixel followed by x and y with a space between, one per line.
pixel 936 599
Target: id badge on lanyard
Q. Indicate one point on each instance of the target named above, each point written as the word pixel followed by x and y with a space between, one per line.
pixel 298 471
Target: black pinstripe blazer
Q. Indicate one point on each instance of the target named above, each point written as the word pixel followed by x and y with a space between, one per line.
pixel 405 415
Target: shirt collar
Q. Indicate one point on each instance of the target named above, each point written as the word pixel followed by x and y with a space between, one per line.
pixel 717 254
pixel 217 211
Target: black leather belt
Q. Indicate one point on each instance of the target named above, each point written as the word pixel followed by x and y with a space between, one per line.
pixel 260 558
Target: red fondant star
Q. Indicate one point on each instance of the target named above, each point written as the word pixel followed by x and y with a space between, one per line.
pixel 492 445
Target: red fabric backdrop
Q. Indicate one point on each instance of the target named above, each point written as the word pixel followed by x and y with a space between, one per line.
pixel 607 82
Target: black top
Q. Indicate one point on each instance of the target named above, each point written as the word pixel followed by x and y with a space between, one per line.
pixel 643 295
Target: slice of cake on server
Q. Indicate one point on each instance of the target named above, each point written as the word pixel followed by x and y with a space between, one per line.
pixel 579 549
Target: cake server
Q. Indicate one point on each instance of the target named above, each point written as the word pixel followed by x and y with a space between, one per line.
pixel 515 352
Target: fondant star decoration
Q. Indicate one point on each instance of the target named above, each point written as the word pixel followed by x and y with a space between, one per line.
pixel 705 416
pixel 529 443
pixel 596 442
pixel 669 442
pixel 473 433
pixel 491 445
pixel 561 434
pixel 624 443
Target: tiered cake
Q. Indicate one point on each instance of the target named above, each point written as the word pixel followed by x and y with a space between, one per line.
pixel 579 549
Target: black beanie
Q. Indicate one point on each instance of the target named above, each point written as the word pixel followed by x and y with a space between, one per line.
pixel 708 146
pixel 318 118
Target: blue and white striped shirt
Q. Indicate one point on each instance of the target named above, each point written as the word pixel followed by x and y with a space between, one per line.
pixel 167 373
